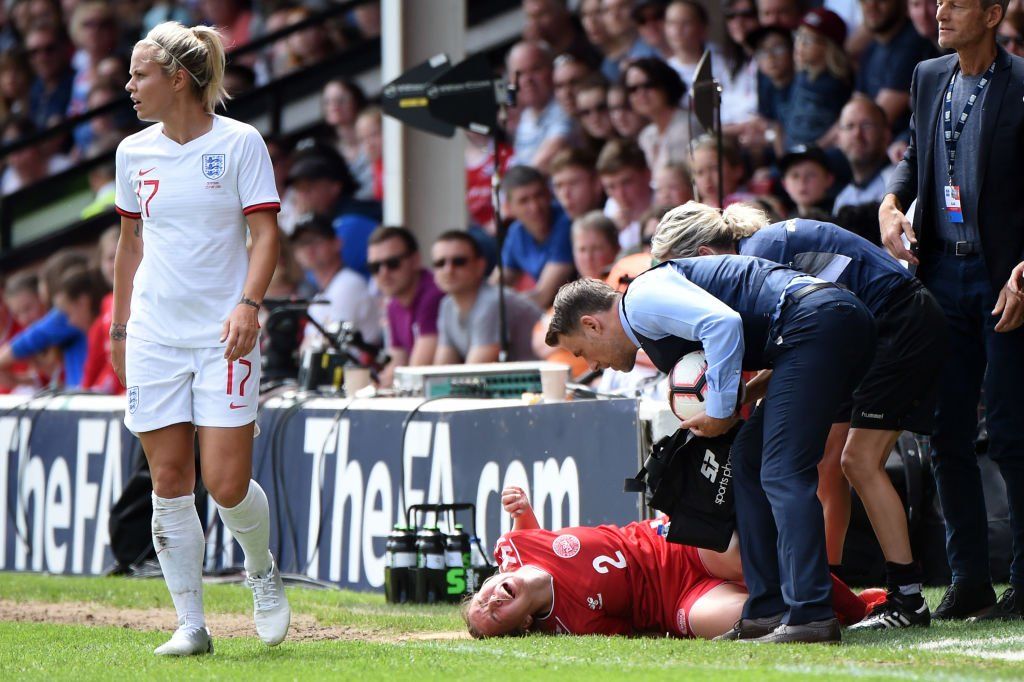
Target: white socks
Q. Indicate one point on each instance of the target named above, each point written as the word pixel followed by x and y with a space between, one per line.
pixel 180 546
pixel 249 522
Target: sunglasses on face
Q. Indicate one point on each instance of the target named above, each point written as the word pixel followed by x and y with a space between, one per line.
pixel 1017 41
pixel 456 262
pixel 599 109
pixel 393 263
pixel 633 89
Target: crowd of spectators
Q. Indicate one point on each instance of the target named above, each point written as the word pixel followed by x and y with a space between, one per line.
pixel 815 110
pixel 62 58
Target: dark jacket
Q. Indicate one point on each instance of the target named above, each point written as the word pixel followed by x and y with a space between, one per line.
pixel 1000 207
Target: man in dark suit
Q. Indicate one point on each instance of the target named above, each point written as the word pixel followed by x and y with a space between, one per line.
pixel 963 167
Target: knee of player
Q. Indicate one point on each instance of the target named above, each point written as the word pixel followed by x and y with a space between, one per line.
pixel 226 492
pixel 857 463
pixel 172 481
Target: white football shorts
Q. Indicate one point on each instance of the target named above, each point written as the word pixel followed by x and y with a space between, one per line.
pixel 169 385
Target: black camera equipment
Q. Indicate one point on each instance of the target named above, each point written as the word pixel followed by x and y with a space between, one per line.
pixel 706 104
pixel 435 97
pixel 345 346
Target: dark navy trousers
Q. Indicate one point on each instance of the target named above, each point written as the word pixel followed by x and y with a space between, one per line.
pixel 978 357
pixel 820 348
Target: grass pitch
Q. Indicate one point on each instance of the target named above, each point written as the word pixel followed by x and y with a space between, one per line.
pixel 349 635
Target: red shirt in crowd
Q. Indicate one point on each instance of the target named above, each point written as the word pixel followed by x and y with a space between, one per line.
pixel 8 331
pixel 478 185
pixel 98 374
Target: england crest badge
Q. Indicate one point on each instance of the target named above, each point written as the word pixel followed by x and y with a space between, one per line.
pixel 213 166
pixel 133 399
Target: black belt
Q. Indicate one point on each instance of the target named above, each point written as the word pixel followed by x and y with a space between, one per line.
pixel 956 248
pixel 803 292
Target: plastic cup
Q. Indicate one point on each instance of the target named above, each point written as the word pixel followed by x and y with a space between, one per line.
pixel 355 379
pixel 552 382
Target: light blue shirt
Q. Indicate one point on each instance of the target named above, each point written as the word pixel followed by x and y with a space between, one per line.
pixel 664 302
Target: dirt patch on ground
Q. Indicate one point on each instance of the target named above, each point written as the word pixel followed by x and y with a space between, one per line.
pixel 304 628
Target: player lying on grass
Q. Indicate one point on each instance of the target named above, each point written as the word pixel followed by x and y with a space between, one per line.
pixel 608 580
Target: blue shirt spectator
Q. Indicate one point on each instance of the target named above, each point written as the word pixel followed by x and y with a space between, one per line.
pixel 612 68
pixel 353 228
pixel 537 126
pixel 53 329
pixel 774 103
pixel 522 252
pixel 48 106
pixel 890 66
pixel 814 107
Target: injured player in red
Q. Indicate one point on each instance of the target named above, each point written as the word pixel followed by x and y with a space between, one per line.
pixel 607 580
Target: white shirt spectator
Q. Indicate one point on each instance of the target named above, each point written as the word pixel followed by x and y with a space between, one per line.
pixel 535 128
pixel 350 300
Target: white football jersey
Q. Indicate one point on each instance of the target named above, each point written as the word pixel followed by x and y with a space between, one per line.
pixel 192 199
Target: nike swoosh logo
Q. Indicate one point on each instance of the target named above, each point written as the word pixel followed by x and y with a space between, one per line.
pixel 143 172
pixel 236 407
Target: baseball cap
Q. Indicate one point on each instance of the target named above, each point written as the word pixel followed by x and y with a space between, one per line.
pixel 804 152
pixel 313 223
pixel 826 23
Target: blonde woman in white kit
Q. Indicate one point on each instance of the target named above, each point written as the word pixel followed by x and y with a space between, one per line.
pixel 185 324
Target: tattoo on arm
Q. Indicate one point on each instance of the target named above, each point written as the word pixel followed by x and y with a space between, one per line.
pixel 118 332
pixel 138 228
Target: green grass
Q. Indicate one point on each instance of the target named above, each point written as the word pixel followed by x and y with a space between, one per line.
pixel 46 651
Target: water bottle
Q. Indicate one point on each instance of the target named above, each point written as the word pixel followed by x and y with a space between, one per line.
pixel 430 573
pixel 479 569
pixel 456 561
pixel 400 553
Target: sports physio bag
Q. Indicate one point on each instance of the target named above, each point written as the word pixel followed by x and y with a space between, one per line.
pixel 690 479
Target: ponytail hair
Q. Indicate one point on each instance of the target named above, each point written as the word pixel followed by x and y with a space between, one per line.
pixel 198 51
pixel 686 228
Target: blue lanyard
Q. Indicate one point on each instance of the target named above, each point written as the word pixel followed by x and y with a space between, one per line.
pixel 951 132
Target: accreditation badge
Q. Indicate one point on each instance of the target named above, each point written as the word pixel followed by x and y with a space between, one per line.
pixel 953 209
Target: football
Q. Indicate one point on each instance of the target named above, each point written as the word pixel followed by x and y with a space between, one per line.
pixel 688 385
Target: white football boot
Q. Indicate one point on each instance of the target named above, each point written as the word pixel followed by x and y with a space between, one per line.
pixel 270 606
pixel 187 642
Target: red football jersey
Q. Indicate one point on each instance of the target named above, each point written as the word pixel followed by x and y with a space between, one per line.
pixel 98 374
pixel 608 580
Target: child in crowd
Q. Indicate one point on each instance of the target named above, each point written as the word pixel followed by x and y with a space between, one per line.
pixel 704 167
pixel 98 374
pixel 773 50
pixel 822 83
pixel 673 185
pixel 368 130
pixel 80 295
pixel 807 179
